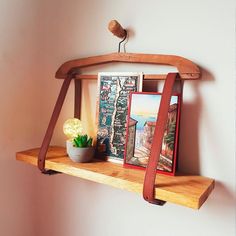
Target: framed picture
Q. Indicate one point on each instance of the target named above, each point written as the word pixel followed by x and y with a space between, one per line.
pixel 142 116
pixel 113 97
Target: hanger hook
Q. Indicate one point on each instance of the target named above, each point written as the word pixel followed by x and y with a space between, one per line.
pixel 115 28
pixel 122 41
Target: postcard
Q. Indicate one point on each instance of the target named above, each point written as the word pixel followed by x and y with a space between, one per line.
pixel 142 117
pixel 113 97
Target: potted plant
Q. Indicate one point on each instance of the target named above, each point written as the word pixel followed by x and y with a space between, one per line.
pixel 80 149
pixel 78 146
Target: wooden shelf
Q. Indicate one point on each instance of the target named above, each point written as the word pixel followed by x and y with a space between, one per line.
pixel 186 190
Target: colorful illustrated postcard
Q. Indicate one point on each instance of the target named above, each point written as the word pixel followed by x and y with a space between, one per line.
pixel 142 118
pixel 113 97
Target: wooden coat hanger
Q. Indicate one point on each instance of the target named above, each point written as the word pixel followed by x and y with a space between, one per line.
pixel 186 68
pixel 70 70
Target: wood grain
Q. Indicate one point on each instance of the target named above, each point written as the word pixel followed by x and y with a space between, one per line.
pixel 186 190
pixel 186 68
pixel 145 77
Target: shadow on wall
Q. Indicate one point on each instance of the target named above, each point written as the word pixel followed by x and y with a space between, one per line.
pixel 188 151
pixel 188 156
pixel 222 197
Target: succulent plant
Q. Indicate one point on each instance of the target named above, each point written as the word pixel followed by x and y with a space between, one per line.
pixel 83 141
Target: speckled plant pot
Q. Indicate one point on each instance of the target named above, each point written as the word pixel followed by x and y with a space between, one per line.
pixel 79 154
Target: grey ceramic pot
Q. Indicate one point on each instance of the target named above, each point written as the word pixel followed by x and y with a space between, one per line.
pixel 79 154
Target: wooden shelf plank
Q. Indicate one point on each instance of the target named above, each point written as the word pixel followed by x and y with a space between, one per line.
pixel 186 190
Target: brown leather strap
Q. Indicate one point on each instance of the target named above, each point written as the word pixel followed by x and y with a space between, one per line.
pixel 52 124
pixel 150 175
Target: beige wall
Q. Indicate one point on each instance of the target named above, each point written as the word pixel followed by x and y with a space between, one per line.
pixel 19 115
pixel 37 36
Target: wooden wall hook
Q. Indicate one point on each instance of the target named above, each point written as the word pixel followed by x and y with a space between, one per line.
pixel 117 29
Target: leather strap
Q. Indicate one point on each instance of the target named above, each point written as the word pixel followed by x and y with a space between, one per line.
pixel 150 175
pixel 52 124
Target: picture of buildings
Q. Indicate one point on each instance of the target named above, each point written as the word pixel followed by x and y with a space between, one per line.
pixel 142 122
